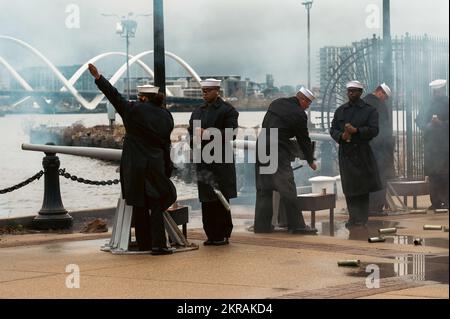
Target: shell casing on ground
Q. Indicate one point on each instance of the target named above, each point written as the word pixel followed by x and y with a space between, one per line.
pixel 377 240
pixel 432 227
pixel 387 230
pixel 349 263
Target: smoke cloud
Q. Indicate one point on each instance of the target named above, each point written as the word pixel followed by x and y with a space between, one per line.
pixel 249 38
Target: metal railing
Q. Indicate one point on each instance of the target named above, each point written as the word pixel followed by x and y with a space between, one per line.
pixel 416 61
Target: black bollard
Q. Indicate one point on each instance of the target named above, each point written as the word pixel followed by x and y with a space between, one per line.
pixel 52 215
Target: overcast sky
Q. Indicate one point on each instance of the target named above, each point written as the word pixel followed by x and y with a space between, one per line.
pixel 244 37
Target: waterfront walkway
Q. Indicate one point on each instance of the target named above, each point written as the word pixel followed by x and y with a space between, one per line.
pixel 275 265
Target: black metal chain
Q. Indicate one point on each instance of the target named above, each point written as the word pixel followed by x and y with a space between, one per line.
pixel 23 184
pixel 74 178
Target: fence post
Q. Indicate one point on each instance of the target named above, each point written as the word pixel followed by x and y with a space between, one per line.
pixel 408 108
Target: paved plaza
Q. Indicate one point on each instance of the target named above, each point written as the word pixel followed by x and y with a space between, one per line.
pixel 275 265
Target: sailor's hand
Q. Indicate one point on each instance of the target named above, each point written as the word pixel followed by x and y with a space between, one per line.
pixel 346 136
pixel 94 72
pixel 350 129
pixel 313 166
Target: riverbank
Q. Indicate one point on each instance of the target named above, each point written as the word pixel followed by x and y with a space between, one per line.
pixel 102 136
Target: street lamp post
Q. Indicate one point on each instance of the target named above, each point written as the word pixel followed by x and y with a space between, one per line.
pixel 158 44
pixel 126 28
pixel 308 5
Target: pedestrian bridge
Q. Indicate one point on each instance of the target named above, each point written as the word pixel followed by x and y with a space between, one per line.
pixel 68 84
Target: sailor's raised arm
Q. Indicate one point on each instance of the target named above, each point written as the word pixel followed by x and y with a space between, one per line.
pixel 111 93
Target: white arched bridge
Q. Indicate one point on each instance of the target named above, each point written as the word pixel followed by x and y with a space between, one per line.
pixel 68 84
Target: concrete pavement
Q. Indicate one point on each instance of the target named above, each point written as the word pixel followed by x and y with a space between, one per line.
pixel 276 265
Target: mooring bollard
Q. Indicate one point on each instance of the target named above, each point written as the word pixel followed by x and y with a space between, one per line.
pixel 52 215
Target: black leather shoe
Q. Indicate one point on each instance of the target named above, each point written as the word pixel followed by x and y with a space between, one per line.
pixel 209 242
pixel 133 246
pixel 304 231
pixel 220 242
pixel 162 251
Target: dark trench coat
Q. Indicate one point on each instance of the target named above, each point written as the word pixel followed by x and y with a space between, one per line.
pixel 222 176
pixel 357 164
pixel 383 145
pixel 291 121
pixel 145 167
pixel 436 137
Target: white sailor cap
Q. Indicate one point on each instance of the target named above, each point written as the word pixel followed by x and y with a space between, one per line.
pixel 355 85
pixel 307 93
pixel 148 89
pixel 386 89
pixel 210 83
pixel 438 84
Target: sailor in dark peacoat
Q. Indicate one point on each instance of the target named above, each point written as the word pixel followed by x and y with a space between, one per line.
pixel 433 121
pixel 145 166
pixel 354 125
pixel 288 117
pixel 382 146
pixel 219 175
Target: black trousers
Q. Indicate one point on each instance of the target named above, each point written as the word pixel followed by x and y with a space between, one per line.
pixel 377 201
pixel 264 211
pixel 217 221
pixel 358 208
pixel 149 227
pixel 439 190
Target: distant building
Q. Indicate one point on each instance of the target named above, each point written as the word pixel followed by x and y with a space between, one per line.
pixel 269 81
pixel 232 86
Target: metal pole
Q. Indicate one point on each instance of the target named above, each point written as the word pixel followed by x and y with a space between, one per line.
pixel 308 6
pixel 309 47
pixel 387 47
pixel 408 109
pixel 388 77
pixel 158 38
pixel 127 38
pixel 387 61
